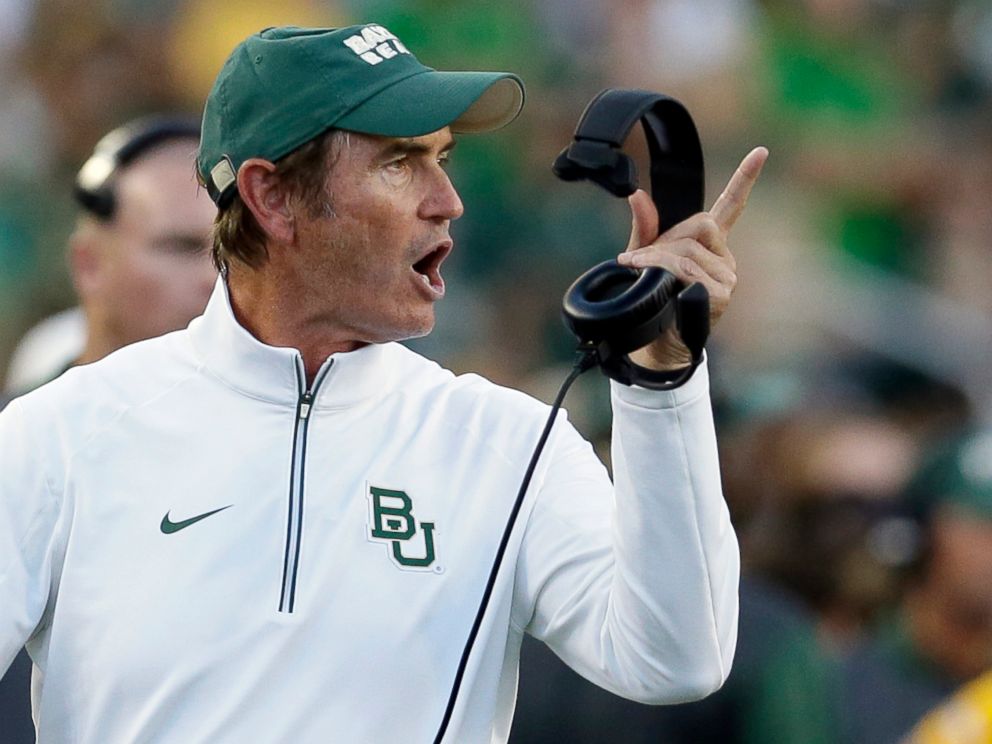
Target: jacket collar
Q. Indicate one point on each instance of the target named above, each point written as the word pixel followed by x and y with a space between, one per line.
pixel 275 374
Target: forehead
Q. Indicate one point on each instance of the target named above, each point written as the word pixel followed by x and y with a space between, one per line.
pixel 377 145
pixel 161 186
pixel 167 166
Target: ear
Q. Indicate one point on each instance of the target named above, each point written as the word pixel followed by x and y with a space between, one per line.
pixel 263 193
pixel 86 262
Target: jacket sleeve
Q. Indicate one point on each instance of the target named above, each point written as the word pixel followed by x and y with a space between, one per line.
pixel 635 586
pixel 28 514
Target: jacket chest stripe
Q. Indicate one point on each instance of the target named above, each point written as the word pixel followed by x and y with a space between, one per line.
pixel 294 517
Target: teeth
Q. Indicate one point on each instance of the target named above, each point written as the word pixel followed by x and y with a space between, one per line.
pixel 426 279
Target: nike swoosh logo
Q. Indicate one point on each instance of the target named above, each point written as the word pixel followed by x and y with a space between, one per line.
pixel 168 526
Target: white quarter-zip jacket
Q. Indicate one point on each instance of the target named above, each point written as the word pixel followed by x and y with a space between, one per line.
pixel 197 548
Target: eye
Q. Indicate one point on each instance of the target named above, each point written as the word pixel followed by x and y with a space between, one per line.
pixel 398 165
pixel 444 160
pixel 178 245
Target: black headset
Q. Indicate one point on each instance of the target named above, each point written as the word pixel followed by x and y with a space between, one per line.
pixel 612 309
pixel 94 189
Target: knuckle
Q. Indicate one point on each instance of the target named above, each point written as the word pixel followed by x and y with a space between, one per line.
pixel 695 249
pixel 689 267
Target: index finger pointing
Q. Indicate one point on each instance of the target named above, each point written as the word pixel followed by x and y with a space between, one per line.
pixel 731 202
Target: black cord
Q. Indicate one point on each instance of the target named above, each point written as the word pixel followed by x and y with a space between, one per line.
pixel 586 360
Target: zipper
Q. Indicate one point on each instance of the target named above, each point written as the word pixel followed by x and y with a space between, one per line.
pixel 294 519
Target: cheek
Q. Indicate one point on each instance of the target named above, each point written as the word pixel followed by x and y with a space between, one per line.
pixel 155 275
pixel 134 275
pixel 168 286
pixel 374 244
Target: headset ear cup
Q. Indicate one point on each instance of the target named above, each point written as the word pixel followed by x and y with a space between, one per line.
pixel 585 306
pixel 619 306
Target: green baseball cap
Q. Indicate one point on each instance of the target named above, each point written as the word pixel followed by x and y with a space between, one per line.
pixel 284 86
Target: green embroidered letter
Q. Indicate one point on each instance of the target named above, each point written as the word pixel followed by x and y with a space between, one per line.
pixel 391 520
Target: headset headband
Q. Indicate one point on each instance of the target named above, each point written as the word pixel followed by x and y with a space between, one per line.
pixel 677 185
pixel 116 149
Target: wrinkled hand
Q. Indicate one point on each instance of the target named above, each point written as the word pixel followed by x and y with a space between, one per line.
pixel 695 250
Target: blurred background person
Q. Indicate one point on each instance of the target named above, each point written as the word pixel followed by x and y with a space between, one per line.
pixel 137 254
pixel 939 635
pixel 140 262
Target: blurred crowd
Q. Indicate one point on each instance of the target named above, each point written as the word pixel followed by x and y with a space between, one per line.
pixel 851 373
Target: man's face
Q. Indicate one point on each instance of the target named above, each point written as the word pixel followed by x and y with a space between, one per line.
pixel 373 260
pixel 951 610
pixel 155 272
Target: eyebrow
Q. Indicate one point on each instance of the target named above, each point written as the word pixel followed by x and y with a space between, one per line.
pixel 411 146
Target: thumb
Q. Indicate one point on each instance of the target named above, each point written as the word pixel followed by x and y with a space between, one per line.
pixel 644 228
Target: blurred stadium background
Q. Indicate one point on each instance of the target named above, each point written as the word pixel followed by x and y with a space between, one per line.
pixel 861 336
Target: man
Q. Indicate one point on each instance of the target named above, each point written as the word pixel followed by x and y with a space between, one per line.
pixel 138 253
pixel 140 261
pixel 277 524
pixel 940 637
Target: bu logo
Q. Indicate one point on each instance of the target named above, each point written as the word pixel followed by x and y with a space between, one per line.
pixel 391 521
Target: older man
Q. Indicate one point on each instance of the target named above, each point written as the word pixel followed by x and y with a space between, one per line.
pixel 277 524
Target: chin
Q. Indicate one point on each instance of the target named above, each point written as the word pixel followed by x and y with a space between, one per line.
pixel 402 331
pixel 421 332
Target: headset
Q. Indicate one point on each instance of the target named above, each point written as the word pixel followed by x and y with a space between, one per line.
pixel 614 310
pixel 94 188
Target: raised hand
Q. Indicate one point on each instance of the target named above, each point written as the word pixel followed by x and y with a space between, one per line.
pixel 694 250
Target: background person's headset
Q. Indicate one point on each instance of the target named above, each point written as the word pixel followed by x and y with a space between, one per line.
pixel 612 309
pixel 94 188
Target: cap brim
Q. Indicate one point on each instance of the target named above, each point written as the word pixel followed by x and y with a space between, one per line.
pixel 432 100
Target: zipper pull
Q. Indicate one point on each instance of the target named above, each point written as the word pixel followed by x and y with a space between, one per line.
pixel 305 403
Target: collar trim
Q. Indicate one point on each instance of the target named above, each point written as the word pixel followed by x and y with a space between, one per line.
pixel 242 362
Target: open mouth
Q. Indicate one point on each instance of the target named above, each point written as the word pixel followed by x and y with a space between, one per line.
pixel 429 267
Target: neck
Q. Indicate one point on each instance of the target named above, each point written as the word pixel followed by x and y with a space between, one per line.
pixel 275 310
pixel 99 340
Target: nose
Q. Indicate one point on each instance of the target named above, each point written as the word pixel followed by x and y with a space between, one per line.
pixel 442 202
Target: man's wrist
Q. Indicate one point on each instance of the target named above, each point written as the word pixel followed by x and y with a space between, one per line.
pixel 667 354
pixel 695 385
